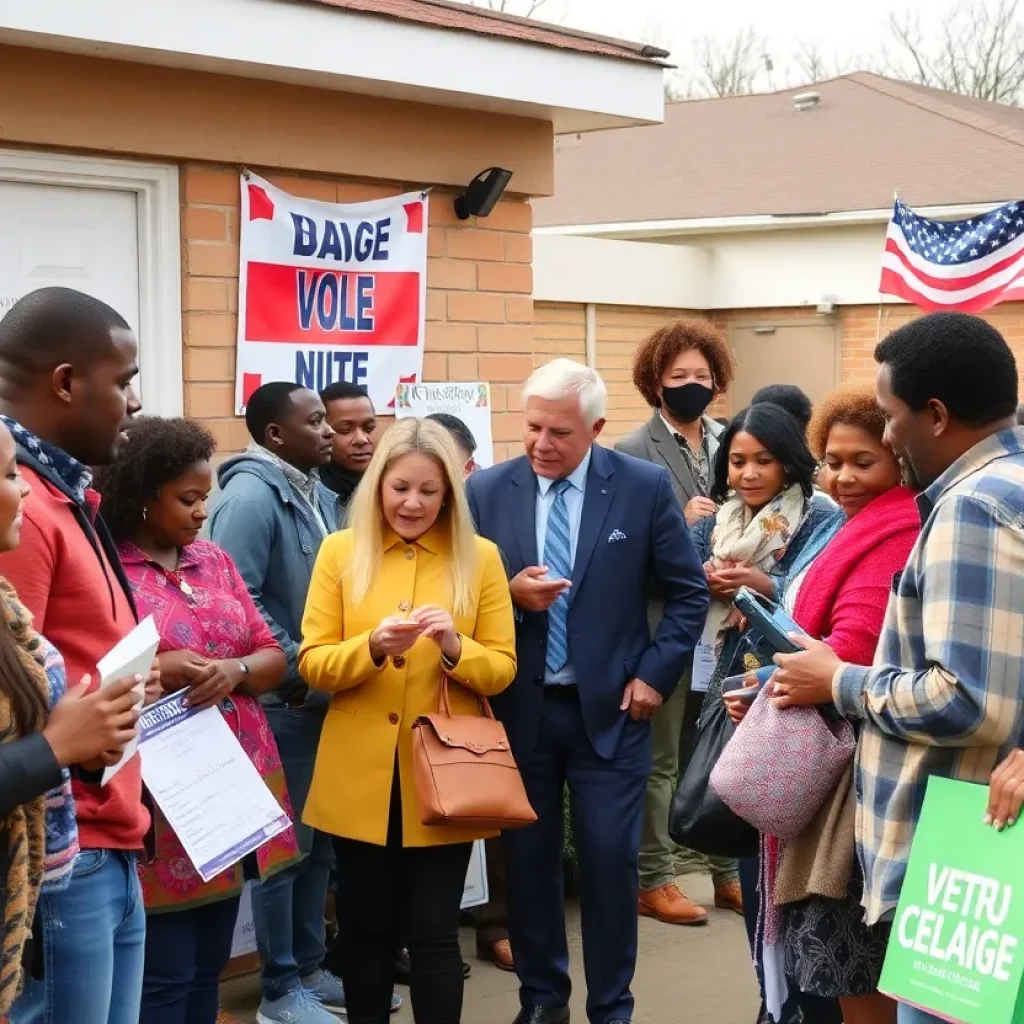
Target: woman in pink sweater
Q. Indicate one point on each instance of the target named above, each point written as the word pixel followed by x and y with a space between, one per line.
pixel 841 597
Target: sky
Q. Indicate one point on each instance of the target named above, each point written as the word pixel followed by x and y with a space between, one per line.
pixel 849 33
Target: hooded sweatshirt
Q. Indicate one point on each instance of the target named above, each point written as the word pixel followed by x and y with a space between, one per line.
pixel 271 533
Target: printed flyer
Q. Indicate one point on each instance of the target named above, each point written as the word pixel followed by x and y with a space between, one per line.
pixel 956 944
pixel 470 403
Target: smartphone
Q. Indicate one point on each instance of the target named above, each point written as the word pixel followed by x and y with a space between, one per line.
pixel 768 622
pixel 737 685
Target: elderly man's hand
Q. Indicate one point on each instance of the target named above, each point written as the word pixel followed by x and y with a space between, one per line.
pixel 805 679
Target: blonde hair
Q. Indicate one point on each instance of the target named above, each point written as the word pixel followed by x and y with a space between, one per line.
pixel 368 525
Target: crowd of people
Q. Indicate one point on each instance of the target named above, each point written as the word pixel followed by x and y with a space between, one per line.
pixel 345 573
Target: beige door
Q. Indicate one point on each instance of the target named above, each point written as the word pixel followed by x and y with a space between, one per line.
pixel 804 354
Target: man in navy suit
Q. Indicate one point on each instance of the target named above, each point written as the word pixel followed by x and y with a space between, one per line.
pixel 588 535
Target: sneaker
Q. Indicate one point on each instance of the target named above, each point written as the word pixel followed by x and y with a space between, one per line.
pixel 668 904
pixel 326 989
pixel 297 1007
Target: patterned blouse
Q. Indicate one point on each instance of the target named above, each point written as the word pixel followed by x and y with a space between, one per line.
pixel 204 607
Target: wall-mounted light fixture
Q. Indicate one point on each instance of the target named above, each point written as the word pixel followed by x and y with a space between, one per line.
pixel 482 193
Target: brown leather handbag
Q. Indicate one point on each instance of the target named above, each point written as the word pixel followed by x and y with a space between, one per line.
pixel 464 770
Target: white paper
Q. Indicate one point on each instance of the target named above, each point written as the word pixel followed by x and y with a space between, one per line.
pixel 704 660
pixel 206 786
pixel 243 940
pixel 133 656
pixel 470 402
pixel 476 892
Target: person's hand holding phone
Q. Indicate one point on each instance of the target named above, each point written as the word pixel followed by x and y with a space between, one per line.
pixel 532 591
pixel 393 637
pixel 739 697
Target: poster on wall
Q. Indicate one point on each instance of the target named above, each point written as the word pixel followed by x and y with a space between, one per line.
pixel 330 292
pixel 471 403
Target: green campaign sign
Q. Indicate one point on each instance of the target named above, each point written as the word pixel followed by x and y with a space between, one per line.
pixel 957 944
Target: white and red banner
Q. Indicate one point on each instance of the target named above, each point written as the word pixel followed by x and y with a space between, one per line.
pixel 330 291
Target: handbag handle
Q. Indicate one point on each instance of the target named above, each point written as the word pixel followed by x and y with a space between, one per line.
pixel 444 704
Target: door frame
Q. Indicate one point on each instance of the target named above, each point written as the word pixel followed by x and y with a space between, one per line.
pixel 159 246
pixel 818 320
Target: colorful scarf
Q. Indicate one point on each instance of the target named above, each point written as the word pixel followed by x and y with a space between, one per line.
pixel 41 836
pixel 758 540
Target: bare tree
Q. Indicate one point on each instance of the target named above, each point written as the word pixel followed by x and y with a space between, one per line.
pixel 525 8
pixel 728 67
pixel 812 64
pixel 978 51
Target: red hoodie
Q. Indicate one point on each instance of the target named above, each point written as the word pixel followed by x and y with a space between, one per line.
pixel 79 605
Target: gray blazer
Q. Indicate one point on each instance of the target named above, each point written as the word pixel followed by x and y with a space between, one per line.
pixel 653 442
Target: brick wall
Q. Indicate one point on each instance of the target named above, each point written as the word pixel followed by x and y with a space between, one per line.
pixel 860 332
pixel 479 306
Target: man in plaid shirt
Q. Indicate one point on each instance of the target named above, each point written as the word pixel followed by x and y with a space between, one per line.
pixel 945 694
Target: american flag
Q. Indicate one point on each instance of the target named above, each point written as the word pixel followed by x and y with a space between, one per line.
pixel 968 265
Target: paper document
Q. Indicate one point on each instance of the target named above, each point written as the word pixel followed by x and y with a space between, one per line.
pixel 475 892
pixel 209 791
pixel 133 656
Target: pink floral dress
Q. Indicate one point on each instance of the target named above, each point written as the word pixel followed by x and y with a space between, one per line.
pixel 204 607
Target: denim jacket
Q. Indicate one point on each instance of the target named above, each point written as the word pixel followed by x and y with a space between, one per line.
pixel 824 519
pixel 273 538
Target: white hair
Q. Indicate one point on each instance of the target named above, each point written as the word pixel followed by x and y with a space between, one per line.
pixel 565 378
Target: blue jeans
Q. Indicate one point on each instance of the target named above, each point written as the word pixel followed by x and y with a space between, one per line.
pixel 94 935
pixel 911 1015
pixel 288 909
pixel 186 951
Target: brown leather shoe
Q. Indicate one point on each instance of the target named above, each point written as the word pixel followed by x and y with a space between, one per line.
pixel 668 904
pixel 498 953
pixel 729 897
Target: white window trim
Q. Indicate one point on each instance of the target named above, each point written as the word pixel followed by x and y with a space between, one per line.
pixel 159 245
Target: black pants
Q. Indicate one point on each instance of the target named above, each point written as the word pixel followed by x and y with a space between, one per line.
pixel 394 892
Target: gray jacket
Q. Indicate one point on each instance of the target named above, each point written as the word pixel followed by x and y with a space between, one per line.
pixel 273 538
pixel 653 442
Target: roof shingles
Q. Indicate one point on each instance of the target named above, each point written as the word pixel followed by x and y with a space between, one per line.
pixel 748 155
pixel 483 21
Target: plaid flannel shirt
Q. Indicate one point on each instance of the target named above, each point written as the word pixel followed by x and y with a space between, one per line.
pixel 945 694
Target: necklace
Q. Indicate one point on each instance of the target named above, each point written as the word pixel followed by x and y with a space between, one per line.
pixel 179 582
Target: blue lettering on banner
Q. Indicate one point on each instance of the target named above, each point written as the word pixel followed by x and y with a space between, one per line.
pixel 341 241
pixel 327 295
pixel 305 235
pixel 316 368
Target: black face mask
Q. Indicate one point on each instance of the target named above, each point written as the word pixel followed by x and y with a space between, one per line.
pixel 688 401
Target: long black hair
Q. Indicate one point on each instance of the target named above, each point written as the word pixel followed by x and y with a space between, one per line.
pixel 780 433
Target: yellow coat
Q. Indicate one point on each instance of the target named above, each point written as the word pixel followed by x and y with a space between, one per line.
pixel 372 709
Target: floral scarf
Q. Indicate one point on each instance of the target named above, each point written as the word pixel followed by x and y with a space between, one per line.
pixel 758 540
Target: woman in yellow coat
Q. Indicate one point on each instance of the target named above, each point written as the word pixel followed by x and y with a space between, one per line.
pixel 407 594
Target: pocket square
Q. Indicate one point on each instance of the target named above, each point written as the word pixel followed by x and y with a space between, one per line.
pixel 616 535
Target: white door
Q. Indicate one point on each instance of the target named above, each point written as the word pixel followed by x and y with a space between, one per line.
pixel 83 238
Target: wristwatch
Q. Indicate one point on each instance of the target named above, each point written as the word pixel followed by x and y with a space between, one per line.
pixel 245 668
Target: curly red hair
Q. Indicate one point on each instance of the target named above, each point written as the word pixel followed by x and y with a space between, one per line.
pixel 654 356
pixel 853 406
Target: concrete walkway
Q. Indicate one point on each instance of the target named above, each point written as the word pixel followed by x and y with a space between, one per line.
pixel 684 975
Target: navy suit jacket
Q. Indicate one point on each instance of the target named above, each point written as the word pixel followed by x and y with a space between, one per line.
pixel 613 577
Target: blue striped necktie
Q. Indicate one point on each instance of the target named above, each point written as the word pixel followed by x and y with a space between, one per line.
pixel 558 559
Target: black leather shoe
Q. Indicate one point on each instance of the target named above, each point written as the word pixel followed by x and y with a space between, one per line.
pixel 543 1015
